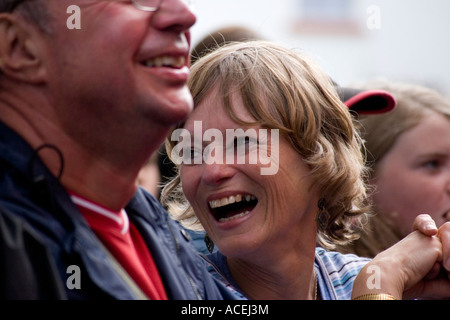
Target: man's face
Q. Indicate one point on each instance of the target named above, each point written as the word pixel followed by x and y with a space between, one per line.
pixel 124 70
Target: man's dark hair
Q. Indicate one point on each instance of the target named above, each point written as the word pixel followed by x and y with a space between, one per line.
pixel 34 10
pixel 9 5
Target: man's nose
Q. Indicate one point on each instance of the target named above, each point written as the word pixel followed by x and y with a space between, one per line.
pixel 175 15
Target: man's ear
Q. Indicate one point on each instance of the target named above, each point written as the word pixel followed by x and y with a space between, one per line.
pixel 19 50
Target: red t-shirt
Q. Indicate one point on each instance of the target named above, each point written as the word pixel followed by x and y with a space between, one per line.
pixel 125 243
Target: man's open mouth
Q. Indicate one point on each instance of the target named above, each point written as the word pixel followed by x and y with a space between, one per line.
pixel 232 207
pixel 166 61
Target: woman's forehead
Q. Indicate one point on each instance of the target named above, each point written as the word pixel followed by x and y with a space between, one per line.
pixel 212 109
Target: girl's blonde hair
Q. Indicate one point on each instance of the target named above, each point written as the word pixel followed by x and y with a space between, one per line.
pixel 283 89
pixel 414 102
pixel 380 132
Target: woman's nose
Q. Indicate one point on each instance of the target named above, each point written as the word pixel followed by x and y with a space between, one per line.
pixel 215 173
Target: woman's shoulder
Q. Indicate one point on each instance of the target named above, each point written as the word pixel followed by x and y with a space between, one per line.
pixel 336 272
pixel 333 258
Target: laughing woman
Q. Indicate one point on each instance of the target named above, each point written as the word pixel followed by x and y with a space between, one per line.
pixel 260 106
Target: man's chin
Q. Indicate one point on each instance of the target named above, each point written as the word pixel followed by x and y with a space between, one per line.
pixel 176 113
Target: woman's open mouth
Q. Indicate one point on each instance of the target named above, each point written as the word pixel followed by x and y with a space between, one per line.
pixel 232 207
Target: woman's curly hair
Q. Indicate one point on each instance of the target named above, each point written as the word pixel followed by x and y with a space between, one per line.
pixel 284 89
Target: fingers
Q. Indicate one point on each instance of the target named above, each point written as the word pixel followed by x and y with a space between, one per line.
pixel 434 272
pixel 435 289
pixel 444 236
pixel 426 225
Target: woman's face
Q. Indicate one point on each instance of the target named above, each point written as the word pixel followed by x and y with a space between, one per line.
pixel 414 176
pixel 247 214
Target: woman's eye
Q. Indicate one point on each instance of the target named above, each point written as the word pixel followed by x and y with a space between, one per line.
pixel 244 144
pixel 194 154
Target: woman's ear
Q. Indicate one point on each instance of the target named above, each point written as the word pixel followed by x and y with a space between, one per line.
pixel 20 57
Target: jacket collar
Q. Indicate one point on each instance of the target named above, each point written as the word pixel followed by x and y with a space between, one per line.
pixel 52 213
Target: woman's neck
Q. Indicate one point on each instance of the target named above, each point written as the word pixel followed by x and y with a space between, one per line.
pixel 289 278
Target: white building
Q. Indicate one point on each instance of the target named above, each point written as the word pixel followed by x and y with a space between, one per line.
pixel 353 40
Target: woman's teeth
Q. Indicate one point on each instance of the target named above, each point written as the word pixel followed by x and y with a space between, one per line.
pixel 229 200
pixel 234 217
pixel 232 207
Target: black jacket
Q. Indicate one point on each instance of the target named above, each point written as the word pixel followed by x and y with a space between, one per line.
pixel 43 236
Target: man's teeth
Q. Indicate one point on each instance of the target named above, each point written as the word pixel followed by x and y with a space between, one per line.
pixel 169 61
pixel 229 200
pixel 234 217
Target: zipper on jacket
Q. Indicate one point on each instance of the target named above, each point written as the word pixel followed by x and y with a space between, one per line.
pixel 177 247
